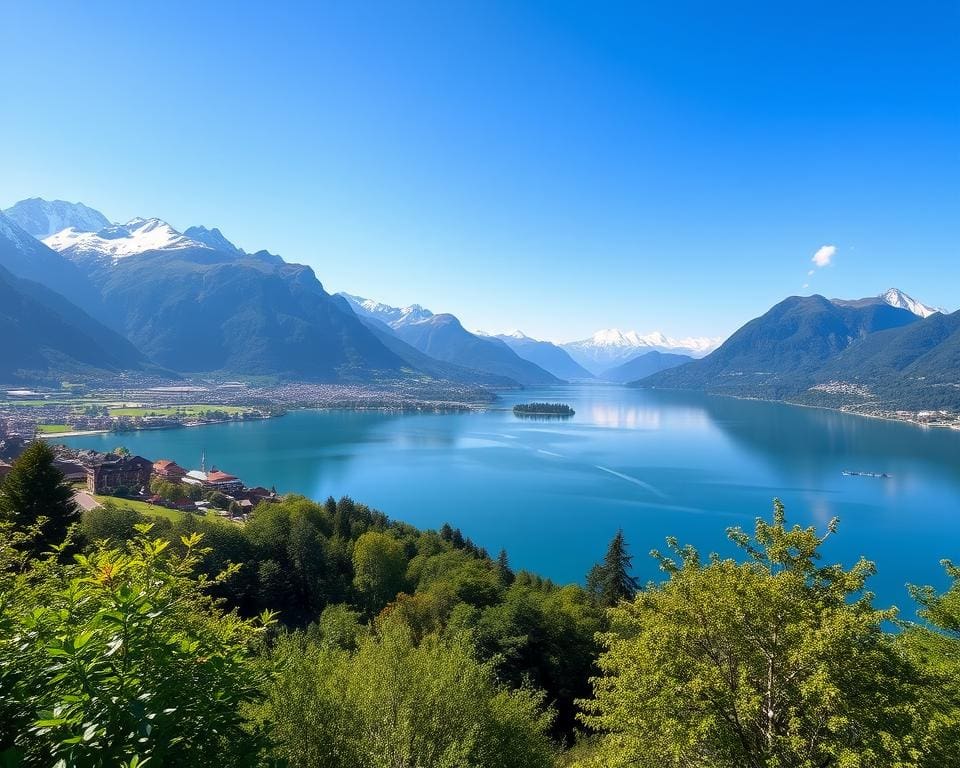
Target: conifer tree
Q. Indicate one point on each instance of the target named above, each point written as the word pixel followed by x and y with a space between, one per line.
pixel 34 495
pixel 503 569
pixel 610 580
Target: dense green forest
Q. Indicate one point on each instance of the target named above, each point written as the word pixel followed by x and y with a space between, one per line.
pixel 327 635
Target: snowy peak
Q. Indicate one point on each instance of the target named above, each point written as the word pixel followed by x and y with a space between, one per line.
pixel 614 338
pixel 392 316
pixel 610 347
pixel 119 241
pixel 897 298
pixel 212 237
pixel 42 218
pixel 516 334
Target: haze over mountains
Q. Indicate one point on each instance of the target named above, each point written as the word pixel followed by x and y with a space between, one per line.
pixel 82 293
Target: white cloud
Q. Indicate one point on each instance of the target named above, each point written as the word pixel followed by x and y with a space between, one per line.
pixel 824 255
pixel 810 273
pixel 806 285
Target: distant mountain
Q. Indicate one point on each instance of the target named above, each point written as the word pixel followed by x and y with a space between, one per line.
pixel 779 354
pixel 41 218
pixel 46 336
pixel 212 237
pixel 392 316
pixel 548 356
pixel 612 347
pixel 443 338
pixel 894 298
pixel 422 362
pixel 645 364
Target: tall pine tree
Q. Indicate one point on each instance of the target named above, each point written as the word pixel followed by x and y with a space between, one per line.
pixel 34 495
pixel 610 581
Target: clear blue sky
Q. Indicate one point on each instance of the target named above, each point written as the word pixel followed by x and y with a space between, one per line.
pixel 557 167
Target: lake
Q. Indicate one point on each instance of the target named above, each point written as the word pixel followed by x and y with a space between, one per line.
pixel 656 464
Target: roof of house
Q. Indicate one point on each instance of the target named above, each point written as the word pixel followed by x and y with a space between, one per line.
pixel 216 476
pixel 166 465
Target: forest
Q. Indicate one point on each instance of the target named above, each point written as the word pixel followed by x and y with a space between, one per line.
pixel 327 635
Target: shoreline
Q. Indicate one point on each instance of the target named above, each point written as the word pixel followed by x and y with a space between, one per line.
pixel 845 410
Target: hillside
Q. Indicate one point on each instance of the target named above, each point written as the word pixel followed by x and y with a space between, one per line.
pixel 779 354
pixel 45 336
pixel 548 356
pixel 643 365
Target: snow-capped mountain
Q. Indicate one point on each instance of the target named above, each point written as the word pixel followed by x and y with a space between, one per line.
pixel 119 241
pixel 212 237
pixel 897 298
pixel 611 346
pixel 42 218
pixel 395 317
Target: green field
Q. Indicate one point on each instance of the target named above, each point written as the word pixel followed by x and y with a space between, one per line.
pixel 147 509
pixel 185 410
pixel 52 429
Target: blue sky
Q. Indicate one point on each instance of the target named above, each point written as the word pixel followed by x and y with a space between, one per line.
pixel 557 167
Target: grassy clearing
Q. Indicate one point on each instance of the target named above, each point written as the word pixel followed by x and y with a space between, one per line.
pixel 52 429
pixel 151 510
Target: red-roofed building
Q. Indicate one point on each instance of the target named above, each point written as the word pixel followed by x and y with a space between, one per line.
pixel 223 482
pixel 169 470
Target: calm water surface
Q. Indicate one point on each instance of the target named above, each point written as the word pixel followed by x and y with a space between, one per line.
pixel 654 463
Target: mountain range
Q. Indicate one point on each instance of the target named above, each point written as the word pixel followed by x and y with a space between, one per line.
pixel 80 293
pixel 547 355
pixel 612 347
pixel 195 307
pixel 887 350
pixel 442 337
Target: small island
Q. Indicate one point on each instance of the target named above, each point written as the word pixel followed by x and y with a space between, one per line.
pixel 543 409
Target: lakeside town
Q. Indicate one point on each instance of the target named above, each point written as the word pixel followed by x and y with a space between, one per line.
pixel 128 404
pixel 154 487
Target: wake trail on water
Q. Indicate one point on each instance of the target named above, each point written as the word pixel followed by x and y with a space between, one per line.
pixel 634 480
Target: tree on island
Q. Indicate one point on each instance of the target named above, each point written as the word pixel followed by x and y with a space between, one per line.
pixel 610 580
pixel 37 502
pixel 543 409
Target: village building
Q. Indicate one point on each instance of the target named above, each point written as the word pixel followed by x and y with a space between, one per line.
pixel 223 482
pixel 4 469
pixel 73 471
pixel 169 470
pixel 195 477
pixel 111 473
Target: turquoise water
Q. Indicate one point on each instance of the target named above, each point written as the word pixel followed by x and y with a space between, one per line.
pixel 654 463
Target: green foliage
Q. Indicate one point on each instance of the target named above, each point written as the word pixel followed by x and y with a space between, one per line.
pixel 35 497
pixel 379 564
pixel 934 646
pixel 394 702
pixel 776 661
pixel 120 658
